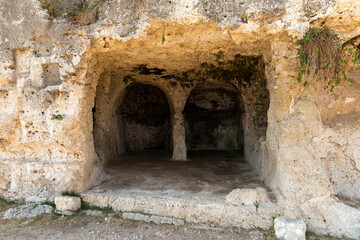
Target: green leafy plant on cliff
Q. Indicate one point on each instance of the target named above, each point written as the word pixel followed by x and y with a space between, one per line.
pixel 163 35
pixel 57 117
pixel 322 57
pixel 86 14
pixel 51 7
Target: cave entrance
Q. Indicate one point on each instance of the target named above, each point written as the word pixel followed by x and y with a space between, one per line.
pixel 139 120
pixel 144 119
pixel 213 116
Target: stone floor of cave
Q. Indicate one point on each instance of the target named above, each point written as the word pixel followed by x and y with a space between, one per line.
pixel 210 174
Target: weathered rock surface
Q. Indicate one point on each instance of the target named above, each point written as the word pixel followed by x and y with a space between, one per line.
pixel 328 215
pixel 289 229
pixel 27 211
pixel 67 203
pixel 152 218
pixel 307 151
pixel 180 205
pixel 248 196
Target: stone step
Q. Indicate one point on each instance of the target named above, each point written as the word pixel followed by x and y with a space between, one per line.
pixel 194 208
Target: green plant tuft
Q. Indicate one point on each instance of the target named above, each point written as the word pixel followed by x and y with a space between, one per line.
pixel 163 39
pixel 70 194
pixel 57 117
pixel 5 203
pixel 105 210
pixel 50 203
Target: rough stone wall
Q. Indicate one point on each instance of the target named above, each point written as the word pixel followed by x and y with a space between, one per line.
pixel 146 114
pixel 212 115
pixel 311 146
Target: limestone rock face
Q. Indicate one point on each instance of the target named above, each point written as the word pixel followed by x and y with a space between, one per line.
pixel 328 215
pixel 289 229
pixel 248 196
pixel 306 149
pixel 67 203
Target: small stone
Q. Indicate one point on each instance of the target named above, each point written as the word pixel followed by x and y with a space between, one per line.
pixel 129 216
pixel 178 222
pixel 67 203
pixel 289 229
pixel 166 220
pixel 141 217
pixel 136 216
pixel 155 219
pixel 64 213
pixel 27 211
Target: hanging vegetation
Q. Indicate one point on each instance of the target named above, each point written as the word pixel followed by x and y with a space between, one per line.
pixel 323 57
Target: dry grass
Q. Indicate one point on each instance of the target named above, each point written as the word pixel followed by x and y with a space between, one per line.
pixel 321 56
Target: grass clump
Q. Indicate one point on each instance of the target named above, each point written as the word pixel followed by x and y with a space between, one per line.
pixel 104 210
pixel 37 218
pixel 57 117
pixel 4 203
pixel 71 194
pixel 50 203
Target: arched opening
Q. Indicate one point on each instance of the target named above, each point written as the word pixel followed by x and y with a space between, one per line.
pixel 213 118
pixel 144 119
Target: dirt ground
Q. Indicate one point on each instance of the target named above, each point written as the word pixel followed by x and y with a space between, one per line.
pixel 215 172
pixel 112 226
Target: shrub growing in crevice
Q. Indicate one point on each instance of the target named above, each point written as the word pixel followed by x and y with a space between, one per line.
pixel 323 57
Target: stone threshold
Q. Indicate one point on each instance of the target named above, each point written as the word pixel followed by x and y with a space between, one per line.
pixel 195 208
